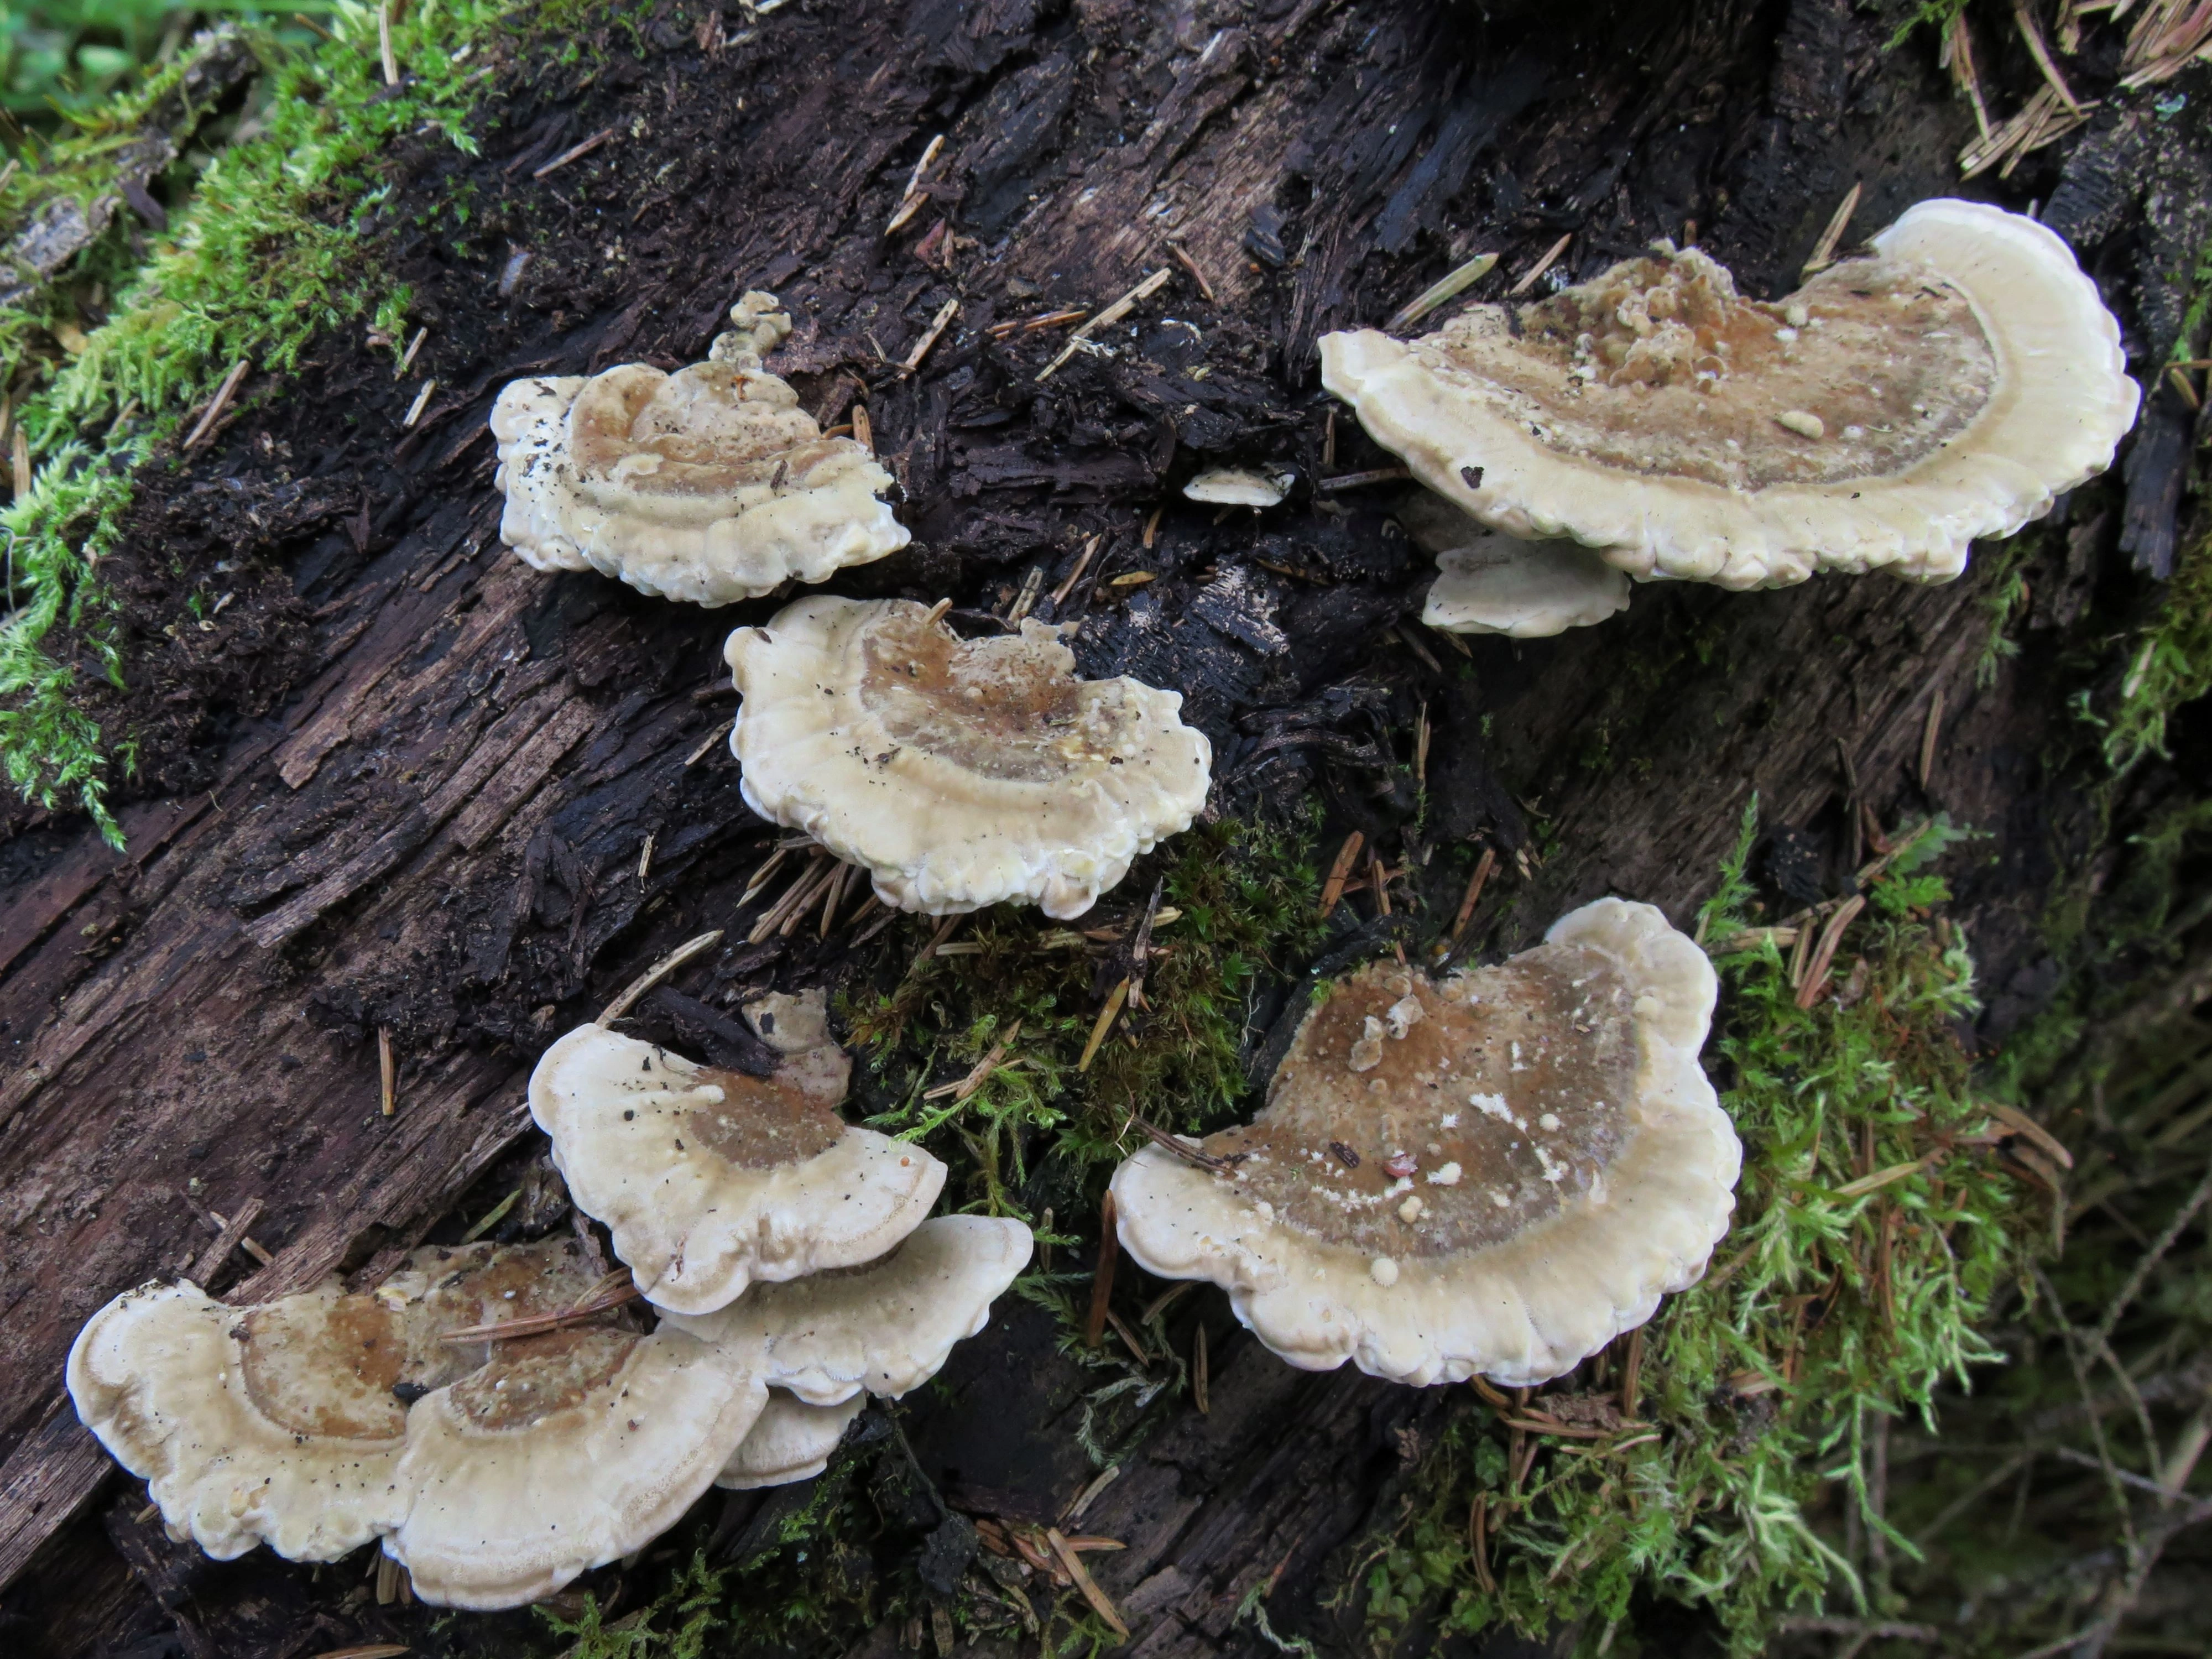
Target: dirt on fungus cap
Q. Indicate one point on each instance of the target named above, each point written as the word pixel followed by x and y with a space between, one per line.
pixel 710 484
pixel 1942 387
pixel 959 773
pixel 494 1469
pixel 1491 583
pixel 1495 1174
pixel 710 1179
pixel 790 1441
pixel 884 1328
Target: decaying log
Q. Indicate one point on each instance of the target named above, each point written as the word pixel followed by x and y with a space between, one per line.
pixel 434 824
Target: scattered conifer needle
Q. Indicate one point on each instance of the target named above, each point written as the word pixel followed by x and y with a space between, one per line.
pixel 1102 1278
pixel 1333 888
pixel 1105 1023
pixel 1104 1608
pixel 659 970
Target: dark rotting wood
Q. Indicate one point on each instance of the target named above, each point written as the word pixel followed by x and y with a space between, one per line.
pixel 435 768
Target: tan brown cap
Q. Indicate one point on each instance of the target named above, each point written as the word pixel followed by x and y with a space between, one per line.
pixel 710 484
pixel 1940 388
pixel 958 773
pixel 710 1179
pixel 1497 1174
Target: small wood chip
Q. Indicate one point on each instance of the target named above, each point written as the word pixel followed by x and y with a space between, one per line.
pixel 1101 1277
pixel 1183 257
pixel 391 65
pixel 215 405
pixel 1104 1608
pixel 1106 319
pixel 1355 480
pixel 1105 1023
pixel 1528 278
pixel 576 152
pixel 2013 1118
pixel 1333 888
pixel 1083 1499
pixel 610 1293
pixel 938 324
pixel 1452 286
pixel 1816 965
pixel 910 203
pixel 422 401
pixel 388 1097
pixel 1082 563
pixel 659 970
pixel 1824 251
pixel 413 346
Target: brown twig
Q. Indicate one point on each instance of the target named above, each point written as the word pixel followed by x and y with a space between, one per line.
pixel 603 1298
pixel 1101 1277
pixel 1333 888
pixel 1527 280
pixel 575 152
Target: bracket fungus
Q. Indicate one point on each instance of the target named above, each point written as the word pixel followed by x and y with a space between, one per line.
pixel 1491 583
pixel 884 1328
pixel 1497 1174
pixel 710 484
pixel 709 1179
pixel 790 1441
pixel 1941 387
pixel 959 773
pixel 495 1469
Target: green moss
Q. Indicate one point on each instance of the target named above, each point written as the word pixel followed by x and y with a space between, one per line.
pixel 1837 1299
pixel 265 259
pixel 1246 896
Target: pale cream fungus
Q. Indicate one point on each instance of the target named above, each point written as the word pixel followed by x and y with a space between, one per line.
pixel 1659 366
pixel 1006 708
pixel 1412 1119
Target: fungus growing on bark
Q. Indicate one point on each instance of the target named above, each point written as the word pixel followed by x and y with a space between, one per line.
pixel 790 1441
pixel 1497 1174
pixel 710 484
pixel 1942 387
pixel 710 1179
pixel 884 1328
pixel 959 773
pixel 1491 583
pixel 495 1468
pixel 1238 486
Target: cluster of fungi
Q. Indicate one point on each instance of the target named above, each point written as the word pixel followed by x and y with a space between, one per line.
pixel 1492 1174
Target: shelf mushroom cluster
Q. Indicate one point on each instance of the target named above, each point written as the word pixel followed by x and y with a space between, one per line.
pixel 1942 386
pixel 497 1416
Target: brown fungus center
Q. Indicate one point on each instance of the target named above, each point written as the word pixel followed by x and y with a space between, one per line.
pixel 1659 366
pixel 705 431
pixel 347 1366
pixel 1414 1119
pixel 1009 707
pixel 761 1122
pixel 531 1378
